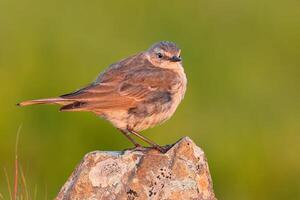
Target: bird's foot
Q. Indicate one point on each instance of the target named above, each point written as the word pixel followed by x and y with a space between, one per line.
pixel 161 149
pixel 137 145
pixel 136 148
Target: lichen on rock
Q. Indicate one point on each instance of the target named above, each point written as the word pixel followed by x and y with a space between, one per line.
pixel 139 174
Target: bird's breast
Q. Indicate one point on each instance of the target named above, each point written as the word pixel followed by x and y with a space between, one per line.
pixel 179 88
pixel 177 91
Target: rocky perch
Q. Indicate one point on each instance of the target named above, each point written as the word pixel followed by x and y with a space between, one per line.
pixel 139 174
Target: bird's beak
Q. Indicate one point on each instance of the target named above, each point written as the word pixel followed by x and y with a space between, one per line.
pixel 175 59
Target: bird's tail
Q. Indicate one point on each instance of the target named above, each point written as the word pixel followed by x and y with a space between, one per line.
pixel 59 101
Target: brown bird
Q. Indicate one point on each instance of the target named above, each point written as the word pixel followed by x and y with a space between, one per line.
pixel 134 94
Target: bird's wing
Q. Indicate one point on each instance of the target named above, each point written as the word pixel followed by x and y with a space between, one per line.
pixel 107 80
pixel 121 90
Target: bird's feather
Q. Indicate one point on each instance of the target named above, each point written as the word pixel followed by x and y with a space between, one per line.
pixel 59 101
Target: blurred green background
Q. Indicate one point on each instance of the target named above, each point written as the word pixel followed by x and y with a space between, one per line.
pixel 242 106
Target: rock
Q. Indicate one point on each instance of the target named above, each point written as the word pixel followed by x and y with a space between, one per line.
pixel 139 174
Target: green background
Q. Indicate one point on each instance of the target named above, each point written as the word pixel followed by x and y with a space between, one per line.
pixel 242 105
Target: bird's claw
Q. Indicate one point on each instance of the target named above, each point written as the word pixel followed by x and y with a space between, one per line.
pixel 161 149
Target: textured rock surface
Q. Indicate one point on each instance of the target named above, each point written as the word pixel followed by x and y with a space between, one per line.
pixel 139 174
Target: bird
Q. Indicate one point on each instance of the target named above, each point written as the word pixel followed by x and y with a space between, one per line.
pixel 134 94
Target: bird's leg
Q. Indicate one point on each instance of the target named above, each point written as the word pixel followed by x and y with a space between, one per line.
pixel 153 144
pixel 127 135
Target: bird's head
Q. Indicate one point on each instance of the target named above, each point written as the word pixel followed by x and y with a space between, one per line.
pixel 164 54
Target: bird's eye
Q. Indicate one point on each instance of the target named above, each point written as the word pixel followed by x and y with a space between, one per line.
pixel 159 55
pixel 179 56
